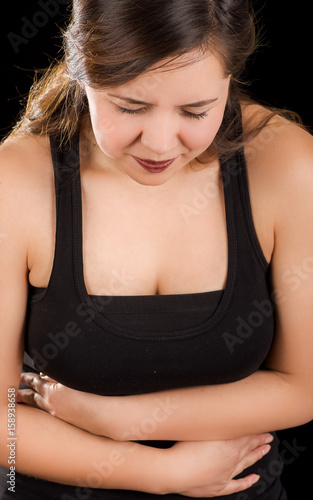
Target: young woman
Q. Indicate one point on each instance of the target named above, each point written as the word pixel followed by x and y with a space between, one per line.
pixel 153 220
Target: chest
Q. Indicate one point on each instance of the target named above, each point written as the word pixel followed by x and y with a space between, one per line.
pixel 135 244
pixel 138 242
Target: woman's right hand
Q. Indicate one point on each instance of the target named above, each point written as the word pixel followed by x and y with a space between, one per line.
pixel 207 468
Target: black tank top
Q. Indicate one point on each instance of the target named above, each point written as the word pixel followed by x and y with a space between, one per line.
pixel 128 345
pixel 116 345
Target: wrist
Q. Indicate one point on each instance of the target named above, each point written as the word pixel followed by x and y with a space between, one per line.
pixel 89 412
pixel 161 471
pixel 174 471
pixel 145 468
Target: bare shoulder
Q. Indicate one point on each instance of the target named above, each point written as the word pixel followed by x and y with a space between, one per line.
pixel 25 158
pixel 25 169
pixel 279 161
pixel 279 146
pixel 26 187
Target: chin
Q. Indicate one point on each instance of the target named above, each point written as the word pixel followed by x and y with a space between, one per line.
pixel 151 182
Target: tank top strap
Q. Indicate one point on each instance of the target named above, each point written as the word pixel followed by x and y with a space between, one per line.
pixel 66 166
pixel 235 173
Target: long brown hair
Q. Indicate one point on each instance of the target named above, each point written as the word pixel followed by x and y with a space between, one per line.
pixel 110 42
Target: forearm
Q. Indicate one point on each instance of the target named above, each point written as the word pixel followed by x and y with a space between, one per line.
pixel 51 449
pixel 263 402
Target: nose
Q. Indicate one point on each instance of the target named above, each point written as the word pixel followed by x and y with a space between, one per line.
pixel 160 134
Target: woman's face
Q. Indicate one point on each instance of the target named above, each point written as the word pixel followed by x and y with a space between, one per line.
pixel 151 128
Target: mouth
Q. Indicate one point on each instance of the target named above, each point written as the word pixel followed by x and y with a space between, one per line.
pixel 154 167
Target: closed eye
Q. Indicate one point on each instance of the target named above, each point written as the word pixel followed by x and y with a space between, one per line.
pixel 130 111
pixel 195 115
pixel 188 114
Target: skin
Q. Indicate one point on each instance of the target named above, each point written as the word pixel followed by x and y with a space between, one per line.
pixel 277 173
pixel 165 127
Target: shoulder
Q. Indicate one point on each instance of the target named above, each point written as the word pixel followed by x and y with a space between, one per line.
pixel 279 161
pixel 21 155
pixel 26 184
pixel 279 145
pixel 25 166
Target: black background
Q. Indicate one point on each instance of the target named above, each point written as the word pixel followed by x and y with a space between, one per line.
pixel 279 74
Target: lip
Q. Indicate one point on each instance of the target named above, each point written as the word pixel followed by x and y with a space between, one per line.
pixel 154 167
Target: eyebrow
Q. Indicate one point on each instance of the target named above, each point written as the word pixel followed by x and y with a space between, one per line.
pixel 198 104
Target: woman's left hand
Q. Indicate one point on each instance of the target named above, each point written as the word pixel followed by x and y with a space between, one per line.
pixel 75 407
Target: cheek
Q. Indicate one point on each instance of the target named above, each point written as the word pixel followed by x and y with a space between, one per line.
pixel 203 134
pixel 112 132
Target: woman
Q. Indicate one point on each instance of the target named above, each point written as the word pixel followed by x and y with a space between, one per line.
pixel 156 300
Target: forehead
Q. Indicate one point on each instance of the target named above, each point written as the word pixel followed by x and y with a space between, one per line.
pixel 188 75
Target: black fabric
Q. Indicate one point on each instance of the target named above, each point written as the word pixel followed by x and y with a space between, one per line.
pixel 131 345
pixel 28 488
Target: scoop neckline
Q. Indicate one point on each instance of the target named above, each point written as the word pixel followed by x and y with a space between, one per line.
pixel 100 319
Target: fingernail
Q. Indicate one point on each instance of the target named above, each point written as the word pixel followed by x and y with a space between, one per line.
pixel 255 479
pixel 269 439
pixel 266 449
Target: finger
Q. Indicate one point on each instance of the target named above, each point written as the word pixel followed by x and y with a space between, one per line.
pixel 237 485
pixel 250 443
pixel 259 440
pixel 28 378
pixel 34 381
pixel 47 378
pixel 234 486
pixel 25 396
pixel 32 398
pixel 253 457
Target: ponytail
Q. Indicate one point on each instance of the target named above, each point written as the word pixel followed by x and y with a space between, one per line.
pixel 55 105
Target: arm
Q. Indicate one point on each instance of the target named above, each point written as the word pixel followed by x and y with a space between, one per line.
pixel 56 451
pixel 51 449
pixel 280 397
